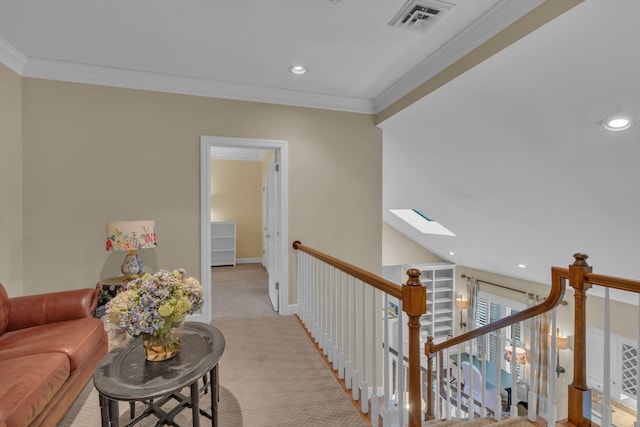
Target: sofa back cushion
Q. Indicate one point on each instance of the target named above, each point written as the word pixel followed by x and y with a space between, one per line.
pixel 4 309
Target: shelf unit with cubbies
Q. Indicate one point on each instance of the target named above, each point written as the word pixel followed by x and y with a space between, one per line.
pixel 223 243
pixel 438 278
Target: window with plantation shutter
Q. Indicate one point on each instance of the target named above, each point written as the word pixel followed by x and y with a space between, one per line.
pixel 487 312
pixel 491 308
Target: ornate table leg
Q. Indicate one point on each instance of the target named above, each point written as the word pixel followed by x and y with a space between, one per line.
pixel 215 396
pixel 104 410
pixel 195 403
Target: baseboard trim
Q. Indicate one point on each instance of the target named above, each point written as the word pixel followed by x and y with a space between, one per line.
pixel 248 260
pixel 292 309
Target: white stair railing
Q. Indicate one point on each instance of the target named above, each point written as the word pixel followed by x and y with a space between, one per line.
pixel 342 308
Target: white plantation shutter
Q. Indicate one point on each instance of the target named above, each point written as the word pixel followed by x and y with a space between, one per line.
pixel 488 312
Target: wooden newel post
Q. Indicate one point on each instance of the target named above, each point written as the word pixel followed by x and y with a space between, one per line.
pixel 579 393
pixel 414 303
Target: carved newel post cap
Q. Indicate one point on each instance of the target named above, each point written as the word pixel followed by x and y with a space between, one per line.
pixel 581 259
pixel 414 277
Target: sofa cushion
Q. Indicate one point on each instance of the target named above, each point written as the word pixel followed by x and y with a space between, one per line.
pixel 4 310
pixel 28 384
pixel 78 339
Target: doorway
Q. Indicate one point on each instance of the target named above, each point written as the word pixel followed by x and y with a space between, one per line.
pixel 276 227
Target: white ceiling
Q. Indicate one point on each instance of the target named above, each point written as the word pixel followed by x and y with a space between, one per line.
pixel 242 49
pixel 509 156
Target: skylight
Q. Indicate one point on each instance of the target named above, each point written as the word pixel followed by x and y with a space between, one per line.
pixel 419 220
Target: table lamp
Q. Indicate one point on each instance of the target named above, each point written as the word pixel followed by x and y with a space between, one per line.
pixel 130 236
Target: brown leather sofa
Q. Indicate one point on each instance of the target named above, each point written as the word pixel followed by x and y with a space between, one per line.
pixel 50 345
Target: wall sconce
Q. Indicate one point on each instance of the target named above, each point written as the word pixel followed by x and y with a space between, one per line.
pixel 562 343
pixel 462 304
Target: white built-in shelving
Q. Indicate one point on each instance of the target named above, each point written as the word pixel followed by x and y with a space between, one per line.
pixel 223 243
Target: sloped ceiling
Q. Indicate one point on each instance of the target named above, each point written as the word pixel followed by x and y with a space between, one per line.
pixel 511 156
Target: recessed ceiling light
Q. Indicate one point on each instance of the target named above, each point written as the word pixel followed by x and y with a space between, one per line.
pixel 522 266
pixel 617 123
pixel 452 253
pixel 297 69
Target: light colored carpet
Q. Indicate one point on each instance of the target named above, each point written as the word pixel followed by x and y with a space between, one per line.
pixel 271 375
pixel 240 292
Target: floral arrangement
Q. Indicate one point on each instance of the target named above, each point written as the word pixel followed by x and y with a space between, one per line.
pixel 154 303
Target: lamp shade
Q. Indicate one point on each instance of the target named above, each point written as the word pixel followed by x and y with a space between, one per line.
pixel 131 235
pixel 562 343
pixel 461 303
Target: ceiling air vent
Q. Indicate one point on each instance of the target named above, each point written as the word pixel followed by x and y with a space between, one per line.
pixel 420 15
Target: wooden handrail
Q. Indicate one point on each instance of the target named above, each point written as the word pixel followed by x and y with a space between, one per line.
pixel 612 282
pixel 374 280
pixel 553 299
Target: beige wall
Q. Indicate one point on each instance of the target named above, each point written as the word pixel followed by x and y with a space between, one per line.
pixel 236 195
pixel 11 181
pixel 93 154
pixel 398 249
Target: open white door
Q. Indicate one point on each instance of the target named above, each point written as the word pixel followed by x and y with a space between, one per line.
pixel 265 221
pixel 272 232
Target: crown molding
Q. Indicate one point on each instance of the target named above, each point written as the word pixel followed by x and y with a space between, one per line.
pixel 489 24
pixel 133 79
pixel 12 57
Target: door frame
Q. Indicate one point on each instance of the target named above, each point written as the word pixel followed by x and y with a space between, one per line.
pixel 206 143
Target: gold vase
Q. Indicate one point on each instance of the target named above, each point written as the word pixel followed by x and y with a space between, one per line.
pixel 161 346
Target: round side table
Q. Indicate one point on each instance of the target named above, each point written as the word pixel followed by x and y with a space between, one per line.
pixel 125 375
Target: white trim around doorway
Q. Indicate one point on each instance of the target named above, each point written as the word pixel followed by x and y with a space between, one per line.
pixel 206 143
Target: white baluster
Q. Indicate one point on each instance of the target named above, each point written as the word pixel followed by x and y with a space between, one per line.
pixel 606 390
pixel 551 372
pixel 373 415
pixel 423 376
pixel 532 397
pixel 325 310
pixel 400 372
pixel 469 387
pixel 334 350
pixel 483 388
pixel 459 380
pixel 386 360
pixel 514 385
pixel 330 309
pixel 316 302
pixel 348 373
pixel 341 326
pixel 497 409
pixel 447 406
pixel 355 376
pixel 364 387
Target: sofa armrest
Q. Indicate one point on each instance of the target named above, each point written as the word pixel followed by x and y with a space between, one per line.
pixel 35 310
